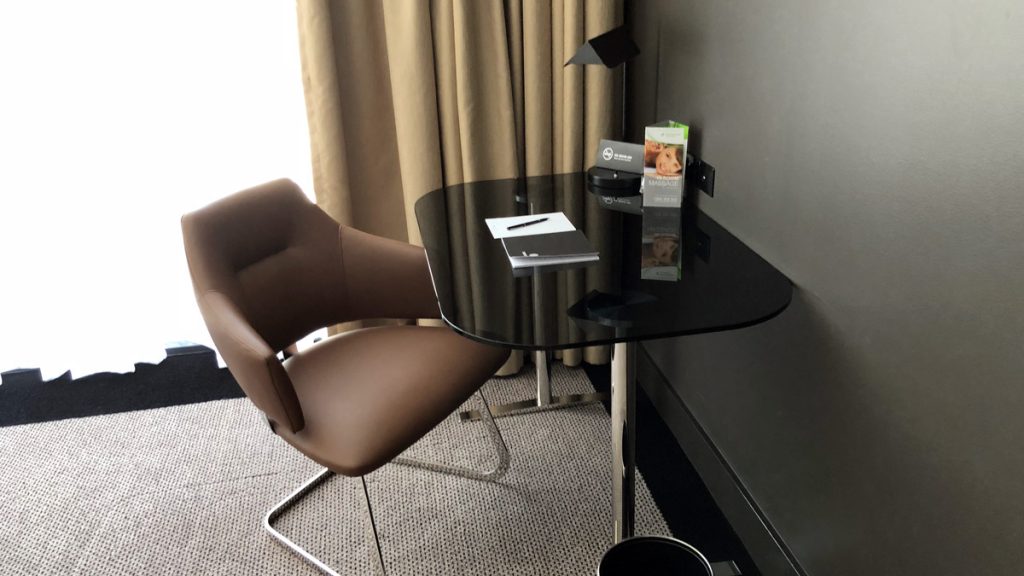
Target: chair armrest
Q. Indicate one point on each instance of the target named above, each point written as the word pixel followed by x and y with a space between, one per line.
pixel 252 362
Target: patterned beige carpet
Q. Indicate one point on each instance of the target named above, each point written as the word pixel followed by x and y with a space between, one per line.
pixel 182 490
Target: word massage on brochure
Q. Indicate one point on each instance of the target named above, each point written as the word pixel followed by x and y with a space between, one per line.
pixel 664 164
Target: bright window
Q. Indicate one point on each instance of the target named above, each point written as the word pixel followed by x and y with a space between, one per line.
pixel 116 117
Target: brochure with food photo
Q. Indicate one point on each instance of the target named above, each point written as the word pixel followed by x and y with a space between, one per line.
pixel 664 163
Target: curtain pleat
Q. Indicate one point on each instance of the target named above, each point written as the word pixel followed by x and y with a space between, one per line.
pixel 406 97
pixel 514 39
pixel 324 107
pixel 410 49
pixel 538 88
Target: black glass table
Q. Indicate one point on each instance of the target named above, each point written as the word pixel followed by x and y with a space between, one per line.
pixel 662 272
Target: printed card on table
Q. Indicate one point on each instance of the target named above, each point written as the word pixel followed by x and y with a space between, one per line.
pixel 664 164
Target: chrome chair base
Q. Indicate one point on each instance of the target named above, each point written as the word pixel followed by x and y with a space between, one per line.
pixel 497 441
pixel 297 495
pixel 283 506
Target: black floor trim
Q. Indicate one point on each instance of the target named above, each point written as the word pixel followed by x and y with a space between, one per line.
pixel 184 377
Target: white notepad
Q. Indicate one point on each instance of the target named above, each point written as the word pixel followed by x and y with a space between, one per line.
pixel 556 222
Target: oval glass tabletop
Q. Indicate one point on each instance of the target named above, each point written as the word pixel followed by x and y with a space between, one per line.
pixel 661 272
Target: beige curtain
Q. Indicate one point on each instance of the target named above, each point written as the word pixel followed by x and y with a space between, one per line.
pixel 406 96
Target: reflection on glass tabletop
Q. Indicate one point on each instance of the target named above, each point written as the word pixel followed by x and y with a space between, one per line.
pixel 661 272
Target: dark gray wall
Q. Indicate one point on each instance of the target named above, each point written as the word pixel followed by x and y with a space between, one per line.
pixel 873 151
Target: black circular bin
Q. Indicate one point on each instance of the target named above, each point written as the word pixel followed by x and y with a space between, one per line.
pixel 653 556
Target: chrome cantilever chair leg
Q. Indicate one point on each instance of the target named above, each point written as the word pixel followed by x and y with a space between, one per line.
pixel 294 497
pixel 497 441
pixel 490 475
pixel 373 529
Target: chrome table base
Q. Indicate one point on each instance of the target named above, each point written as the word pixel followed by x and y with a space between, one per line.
pixel 624 385
pixel 544 400
pixel 623 438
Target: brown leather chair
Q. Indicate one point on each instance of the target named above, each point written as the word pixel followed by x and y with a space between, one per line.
pixel 269 267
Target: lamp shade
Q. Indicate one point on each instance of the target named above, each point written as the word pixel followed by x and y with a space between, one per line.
pixel 610 49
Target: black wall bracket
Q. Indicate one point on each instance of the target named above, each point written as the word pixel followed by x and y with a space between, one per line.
pixel 700 174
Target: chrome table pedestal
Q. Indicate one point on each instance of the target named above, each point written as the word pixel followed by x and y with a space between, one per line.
pixel 544 400
pixel 624 439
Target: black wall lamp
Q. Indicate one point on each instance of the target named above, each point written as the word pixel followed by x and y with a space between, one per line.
pixel 611 49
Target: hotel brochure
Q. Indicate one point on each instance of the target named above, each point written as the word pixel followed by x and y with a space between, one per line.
pixel 664 164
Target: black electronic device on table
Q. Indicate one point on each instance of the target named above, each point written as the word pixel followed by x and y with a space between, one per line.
pixel 615 182
pixel 618 169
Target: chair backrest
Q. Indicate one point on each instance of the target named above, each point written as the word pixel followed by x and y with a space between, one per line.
pixel 266 269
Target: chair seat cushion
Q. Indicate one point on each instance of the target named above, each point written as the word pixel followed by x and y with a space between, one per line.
pixel 369 394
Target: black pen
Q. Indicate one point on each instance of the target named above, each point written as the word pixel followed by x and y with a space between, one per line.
pixel 525 224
